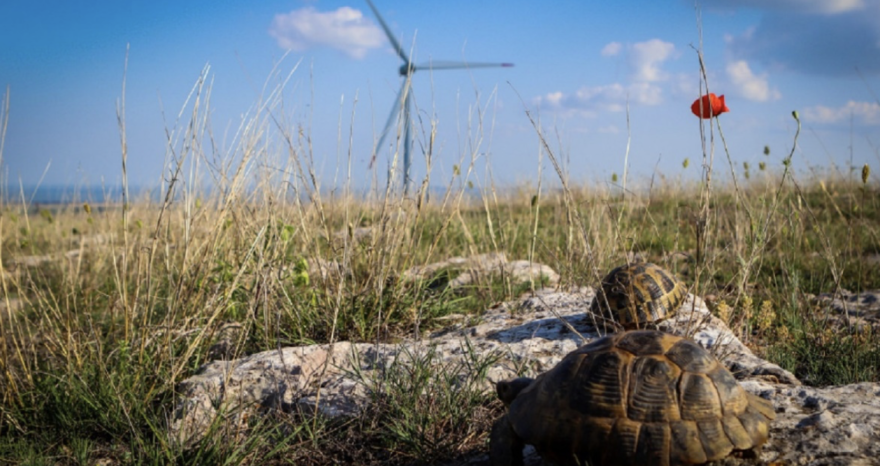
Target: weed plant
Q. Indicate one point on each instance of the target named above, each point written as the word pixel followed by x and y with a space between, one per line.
pixel 109 303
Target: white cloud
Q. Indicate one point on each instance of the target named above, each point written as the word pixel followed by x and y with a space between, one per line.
pixel 750 86
pixel 687 85
pixel 645 59
pixel 819 37
pixel 645 94
pixel 799 6
pixel 345 29
pixel 865 112
pixel 613 48
pixel 553 98
pixel 832 6
pixel 589 100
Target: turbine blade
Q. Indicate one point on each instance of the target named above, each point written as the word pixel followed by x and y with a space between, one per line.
pixel 391 38
pixel 450 65
pixel 395 109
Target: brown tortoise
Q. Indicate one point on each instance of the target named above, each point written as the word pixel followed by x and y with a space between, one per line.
pixel 637 295
pixel 635 398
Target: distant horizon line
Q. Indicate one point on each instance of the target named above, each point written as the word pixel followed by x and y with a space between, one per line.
pixel 49 193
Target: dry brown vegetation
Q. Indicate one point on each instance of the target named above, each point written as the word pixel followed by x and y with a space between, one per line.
pixel 107 305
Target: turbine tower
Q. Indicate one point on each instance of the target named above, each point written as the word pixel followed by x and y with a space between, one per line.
pixel 404 96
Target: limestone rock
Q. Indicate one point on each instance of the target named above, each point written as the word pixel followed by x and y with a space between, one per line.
pixel 823 426
pixel 480 262
pixel 529 335
pixel 815 426
pixel 466 271
pixel 852 311
pixel 865 304
pixel 281 379
pixel 326 270
pixel 225 342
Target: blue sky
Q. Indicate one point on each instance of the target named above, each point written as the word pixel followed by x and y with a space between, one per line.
pixel 577 65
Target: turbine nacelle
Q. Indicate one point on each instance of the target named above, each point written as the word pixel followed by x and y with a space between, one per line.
pixel 407 69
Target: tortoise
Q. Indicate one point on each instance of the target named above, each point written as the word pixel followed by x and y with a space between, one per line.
pixel 638 295
pixel 641 397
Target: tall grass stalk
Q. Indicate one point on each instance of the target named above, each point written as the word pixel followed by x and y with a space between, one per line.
pixel 109 304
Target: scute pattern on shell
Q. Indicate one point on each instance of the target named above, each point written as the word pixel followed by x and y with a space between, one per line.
pixel 638 398
pixel 638 294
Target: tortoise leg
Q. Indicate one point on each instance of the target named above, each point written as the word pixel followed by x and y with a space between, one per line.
pixel 752 453
pixel 505 447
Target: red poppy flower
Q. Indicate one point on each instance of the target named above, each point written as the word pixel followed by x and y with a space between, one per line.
pixel 709 106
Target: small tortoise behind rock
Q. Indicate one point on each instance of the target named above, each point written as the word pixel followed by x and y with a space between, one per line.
pixel 634 398
pixel 636 295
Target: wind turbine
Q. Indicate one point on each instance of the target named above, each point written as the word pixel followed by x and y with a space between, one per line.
pixel 406 71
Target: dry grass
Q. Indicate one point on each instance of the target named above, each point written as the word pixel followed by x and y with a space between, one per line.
pixel 120 302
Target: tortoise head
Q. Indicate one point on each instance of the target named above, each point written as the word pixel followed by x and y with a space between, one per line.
pixel 508 389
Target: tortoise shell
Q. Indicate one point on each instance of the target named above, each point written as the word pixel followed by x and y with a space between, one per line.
pixel 635 295
pixel 635 398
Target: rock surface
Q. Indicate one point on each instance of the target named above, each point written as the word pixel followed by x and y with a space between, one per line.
pixel 466 271
pixel 822 426
pixel 815 426
pixel 457 272
pixel 857 310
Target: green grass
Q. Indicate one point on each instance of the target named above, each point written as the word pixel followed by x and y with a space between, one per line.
pixel 90 359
